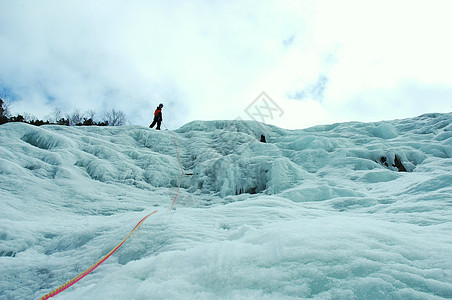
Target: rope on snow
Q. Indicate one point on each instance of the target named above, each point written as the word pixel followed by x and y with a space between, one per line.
pixel 180 164
pixel 93 267
pixel 99 262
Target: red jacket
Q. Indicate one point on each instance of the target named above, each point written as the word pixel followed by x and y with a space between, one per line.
pixel 158 114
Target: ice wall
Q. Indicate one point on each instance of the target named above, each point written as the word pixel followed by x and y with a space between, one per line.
pixel 312 213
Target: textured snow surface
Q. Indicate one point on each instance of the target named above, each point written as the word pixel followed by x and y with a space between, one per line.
pixel 312 213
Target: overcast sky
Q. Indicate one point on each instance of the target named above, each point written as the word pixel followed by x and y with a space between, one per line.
pixel 317 62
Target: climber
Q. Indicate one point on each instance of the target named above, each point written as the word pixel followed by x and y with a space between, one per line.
pixel 157 117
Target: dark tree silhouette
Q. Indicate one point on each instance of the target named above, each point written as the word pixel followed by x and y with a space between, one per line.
pixel 115 117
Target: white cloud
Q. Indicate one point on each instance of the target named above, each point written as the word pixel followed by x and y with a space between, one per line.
pixel 209 60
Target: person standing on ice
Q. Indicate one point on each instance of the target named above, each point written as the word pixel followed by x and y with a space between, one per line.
pixel 157 117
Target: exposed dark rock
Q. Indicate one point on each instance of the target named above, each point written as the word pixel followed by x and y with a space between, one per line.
pixel 384 161
pixel 398 164
pixel 263 138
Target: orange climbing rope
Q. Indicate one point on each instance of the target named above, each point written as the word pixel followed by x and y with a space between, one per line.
pixel 181 167
pixel 99 262
pixel 93 267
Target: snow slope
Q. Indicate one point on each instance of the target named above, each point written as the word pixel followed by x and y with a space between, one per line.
pixel 312 213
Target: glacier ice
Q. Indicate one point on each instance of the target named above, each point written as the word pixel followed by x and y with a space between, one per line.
pixel 312 213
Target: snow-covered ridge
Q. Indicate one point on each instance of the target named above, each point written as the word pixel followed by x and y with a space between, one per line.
pixel 321 212
pixel 231 160
pixel 225 156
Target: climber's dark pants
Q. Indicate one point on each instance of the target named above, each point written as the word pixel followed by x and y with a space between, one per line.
pixel 158 122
